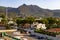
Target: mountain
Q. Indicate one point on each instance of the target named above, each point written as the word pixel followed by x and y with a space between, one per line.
pixel 2 10
pixel 11 12
pixel 56 13
pixel 33 10
pixel 29 10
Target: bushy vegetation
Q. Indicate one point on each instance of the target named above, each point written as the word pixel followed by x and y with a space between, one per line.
pixel 29 20
pixel 50 22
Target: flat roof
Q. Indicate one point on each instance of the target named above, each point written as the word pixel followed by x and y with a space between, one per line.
pixel 11 30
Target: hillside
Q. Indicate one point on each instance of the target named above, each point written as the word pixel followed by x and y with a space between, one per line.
pixel 33 10
pixel 29 10
pixel 11 12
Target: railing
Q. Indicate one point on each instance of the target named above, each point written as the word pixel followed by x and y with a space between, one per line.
pixel 5 34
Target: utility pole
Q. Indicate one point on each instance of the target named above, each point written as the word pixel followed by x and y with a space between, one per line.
pixel 6 16
pixel 6 13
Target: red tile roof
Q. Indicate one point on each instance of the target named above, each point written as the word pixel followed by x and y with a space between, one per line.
pixel 54 30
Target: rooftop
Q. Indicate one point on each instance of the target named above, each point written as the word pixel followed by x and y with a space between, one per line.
pixel 54 30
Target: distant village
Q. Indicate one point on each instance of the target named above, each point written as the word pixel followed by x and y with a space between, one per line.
pixel 48 26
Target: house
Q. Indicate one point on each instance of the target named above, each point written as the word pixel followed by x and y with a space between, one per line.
pixel 2 24
pixel 1 19
pixel 12 24
pixel 26 25
pixel 39 25
pixel 34 25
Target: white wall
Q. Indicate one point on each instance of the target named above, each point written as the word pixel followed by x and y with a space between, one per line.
pixel 40 25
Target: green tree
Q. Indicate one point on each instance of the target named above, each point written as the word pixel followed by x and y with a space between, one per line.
pixel 30 19
pixel 52 23
pixel 3 16
pixel 44 21
pixel 51 20
pixel 19 21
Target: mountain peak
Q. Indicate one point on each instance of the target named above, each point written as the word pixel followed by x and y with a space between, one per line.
pixel 24 5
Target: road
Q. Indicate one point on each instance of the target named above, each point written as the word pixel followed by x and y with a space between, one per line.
pixel 27 37
pixel 30 37
pixel 22 36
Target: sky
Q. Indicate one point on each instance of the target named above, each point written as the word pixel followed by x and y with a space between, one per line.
pixel 46 4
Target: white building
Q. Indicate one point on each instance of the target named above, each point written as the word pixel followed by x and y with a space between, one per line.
pixel 1 19
pixel 40 25
pixel 10 22
pixel 14 24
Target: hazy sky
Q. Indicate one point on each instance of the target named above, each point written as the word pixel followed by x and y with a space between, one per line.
pixel 47 4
